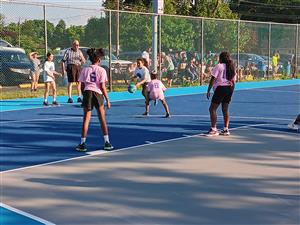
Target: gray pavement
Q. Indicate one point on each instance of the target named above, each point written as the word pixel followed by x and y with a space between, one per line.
pixel 250 177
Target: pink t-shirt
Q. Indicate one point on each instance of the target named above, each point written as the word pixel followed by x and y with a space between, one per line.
pixel 156 89
pixel 92 77
pixel 219 73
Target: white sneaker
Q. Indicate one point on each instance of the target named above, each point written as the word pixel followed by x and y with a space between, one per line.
pixel 293 126
pixel 212 133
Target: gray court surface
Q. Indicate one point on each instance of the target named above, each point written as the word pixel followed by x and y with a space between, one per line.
pixel 250 177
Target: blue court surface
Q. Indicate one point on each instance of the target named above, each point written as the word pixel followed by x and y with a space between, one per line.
pixel 45 134
pixel 32 135
pixel 12 216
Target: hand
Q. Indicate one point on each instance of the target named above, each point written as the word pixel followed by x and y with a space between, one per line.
pixel 108 105
pixel 208 95
pixel 137 85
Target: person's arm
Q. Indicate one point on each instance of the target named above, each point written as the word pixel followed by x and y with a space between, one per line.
pixel 82 58
pixel 209 87
pixel 140 83
pixel 104 92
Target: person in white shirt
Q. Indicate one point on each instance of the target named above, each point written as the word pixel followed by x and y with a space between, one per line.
pixel 142 74
pixel 49 79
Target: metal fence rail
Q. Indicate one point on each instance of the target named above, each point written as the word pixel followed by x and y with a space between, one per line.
pixel 192 43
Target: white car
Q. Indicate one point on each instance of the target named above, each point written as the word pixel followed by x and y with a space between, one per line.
pixel 118 66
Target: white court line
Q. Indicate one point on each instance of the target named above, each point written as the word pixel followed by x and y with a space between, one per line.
pixel 296 92
pixel 26 214
pixel 102 152
pixel 140 116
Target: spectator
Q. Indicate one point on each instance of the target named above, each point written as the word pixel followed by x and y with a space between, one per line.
pixel 73 57
pixel 168 68
pixel 275 59
pixel 293 66
pixel 191 70
pixel 146 56
pixel 35 70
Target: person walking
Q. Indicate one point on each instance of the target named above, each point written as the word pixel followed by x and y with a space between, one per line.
pixel 94 79
pixel 73 58
pixel 222 80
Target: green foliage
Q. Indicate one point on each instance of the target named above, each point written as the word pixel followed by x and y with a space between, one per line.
pixel 95 33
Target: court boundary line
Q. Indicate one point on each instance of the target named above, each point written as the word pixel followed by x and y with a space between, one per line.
pixel 102 152
pixel 18 211
pixel 141 97
pixel 141 116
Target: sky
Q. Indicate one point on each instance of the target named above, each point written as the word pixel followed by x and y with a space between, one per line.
pixel 27 9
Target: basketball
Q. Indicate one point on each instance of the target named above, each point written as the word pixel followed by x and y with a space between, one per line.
pixel 131 88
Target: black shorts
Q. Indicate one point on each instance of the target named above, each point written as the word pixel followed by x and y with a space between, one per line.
pixel 73 72
pixel 92 99
pixel 222 94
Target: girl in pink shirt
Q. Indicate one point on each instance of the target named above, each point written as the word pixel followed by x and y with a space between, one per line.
pixel 222 81
pixel 94 78
pixel 156 90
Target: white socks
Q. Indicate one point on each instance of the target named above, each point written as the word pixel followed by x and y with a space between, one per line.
pixel 82 140
pixel 106 138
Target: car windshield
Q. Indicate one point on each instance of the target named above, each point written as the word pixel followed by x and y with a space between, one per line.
pixel 14 57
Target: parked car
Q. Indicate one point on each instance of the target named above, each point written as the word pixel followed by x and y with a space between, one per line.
pixel 118 66
pixel 248 59
pixel 14 66
pixel 4 43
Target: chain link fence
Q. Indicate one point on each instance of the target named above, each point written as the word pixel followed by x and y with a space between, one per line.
pixel 260 50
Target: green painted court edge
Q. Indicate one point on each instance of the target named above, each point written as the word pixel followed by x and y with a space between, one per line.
pixel 32 103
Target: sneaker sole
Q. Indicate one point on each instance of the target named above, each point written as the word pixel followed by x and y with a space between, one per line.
pixel 81 150
pixel 108 149
pixel 212 135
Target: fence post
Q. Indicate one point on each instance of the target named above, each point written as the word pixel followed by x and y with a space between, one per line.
pixel 296 50
pixel 269 50
pixel 109 53
pixel 159 45
pixel 202 52
pixel 238 49
pixel 45 31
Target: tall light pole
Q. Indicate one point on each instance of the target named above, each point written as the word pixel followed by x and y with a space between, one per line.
pixel 118 28
pixel 158 8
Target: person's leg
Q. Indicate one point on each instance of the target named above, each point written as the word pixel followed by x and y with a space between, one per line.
pixel 70 84
pixel 32 81
pixel 53 91
pixel 46 93
pixel 37 77
pixel 225 114
pixel 78 89
pixel 102 120
pixel 86 122
pixel 165 105
pixel 213 115
pixel 147 106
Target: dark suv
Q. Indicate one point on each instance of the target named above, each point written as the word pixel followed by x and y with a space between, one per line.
pixel 14 66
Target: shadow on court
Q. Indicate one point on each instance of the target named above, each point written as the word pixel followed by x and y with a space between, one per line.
pixel 250 177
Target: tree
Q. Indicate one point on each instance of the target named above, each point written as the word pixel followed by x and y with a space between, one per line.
pixel 283 11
